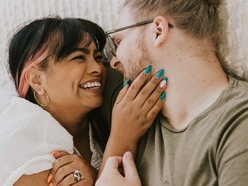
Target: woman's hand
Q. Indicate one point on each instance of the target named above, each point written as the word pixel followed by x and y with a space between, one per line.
pixel 64 167
pixel 134 111
pixel 137 106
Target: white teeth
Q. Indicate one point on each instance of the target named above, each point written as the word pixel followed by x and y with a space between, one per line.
pixel 91 85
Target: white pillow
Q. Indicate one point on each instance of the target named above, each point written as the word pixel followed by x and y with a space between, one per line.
pixel 233 47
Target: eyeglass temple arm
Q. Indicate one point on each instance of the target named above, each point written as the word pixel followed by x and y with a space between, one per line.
pixel 133 25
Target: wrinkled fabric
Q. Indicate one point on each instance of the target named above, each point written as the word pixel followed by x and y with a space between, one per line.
pixel 28 136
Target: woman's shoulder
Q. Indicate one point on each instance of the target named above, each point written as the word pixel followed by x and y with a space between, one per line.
pixel 20 111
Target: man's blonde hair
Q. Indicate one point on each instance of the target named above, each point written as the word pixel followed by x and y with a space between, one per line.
pixel 199 18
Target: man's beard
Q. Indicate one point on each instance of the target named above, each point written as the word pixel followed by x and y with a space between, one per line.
pixel 138 60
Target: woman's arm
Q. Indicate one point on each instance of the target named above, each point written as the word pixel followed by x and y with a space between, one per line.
pixel 39 179
pixel 133 113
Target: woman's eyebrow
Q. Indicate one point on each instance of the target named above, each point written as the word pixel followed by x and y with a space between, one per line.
pixel 84 50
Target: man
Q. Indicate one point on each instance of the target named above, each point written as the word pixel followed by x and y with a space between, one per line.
pixel 200 137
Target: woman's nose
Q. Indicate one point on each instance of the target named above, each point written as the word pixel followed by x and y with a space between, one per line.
pixel 95 68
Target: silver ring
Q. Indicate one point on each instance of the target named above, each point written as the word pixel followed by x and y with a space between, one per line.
pixel 77 175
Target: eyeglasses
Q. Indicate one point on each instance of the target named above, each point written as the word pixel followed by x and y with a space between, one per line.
pixel 111 46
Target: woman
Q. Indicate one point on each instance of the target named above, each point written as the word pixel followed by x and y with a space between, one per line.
pixel 57 64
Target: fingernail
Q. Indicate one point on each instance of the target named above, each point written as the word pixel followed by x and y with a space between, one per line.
pixel 160 73
pixel 56 154
pixel 162 96
pixel 50 184
pixel 49 178
pixel 163 83
pixel 148 70
pixel 129 155
pixel 125 83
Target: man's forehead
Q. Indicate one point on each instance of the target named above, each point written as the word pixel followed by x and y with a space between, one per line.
pixel 125 18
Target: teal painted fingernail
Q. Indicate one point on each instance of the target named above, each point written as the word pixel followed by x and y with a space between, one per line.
pixel 125 83
pixel 160 73
pixel 162 97
pixel 148 70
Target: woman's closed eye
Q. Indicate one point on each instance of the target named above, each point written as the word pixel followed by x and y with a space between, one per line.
pixel 98 58
pixel 80 57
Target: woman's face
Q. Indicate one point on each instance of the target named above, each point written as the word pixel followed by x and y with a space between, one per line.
pixel 75 84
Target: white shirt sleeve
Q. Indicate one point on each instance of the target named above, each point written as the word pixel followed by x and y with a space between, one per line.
pixel 28 136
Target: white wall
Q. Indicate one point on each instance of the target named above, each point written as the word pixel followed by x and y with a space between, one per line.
pixel 14 13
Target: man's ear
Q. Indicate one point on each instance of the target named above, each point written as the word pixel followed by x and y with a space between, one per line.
pixel 161 29
pixel 33 77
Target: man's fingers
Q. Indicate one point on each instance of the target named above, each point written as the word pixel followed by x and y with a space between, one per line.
pixel 129 166
pixel 112 163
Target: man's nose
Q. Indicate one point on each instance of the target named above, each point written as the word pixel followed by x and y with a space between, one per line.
pixel 114 62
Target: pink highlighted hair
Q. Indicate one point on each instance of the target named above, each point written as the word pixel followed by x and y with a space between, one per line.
pixel 23 85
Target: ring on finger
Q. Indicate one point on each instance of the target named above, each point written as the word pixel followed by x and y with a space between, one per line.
pixel 77 175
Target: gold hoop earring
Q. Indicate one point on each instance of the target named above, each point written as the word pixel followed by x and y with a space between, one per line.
pixel 41 104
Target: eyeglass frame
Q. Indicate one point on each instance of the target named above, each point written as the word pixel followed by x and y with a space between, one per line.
pixel 107 33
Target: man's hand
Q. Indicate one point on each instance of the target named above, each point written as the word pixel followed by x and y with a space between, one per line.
pixel 111 175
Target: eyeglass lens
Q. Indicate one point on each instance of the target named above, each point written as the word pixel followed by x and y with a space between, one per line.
pixel 110 48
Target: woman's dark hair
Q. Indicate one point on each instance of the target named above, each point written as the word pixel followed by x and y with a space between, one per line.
pixel 54 35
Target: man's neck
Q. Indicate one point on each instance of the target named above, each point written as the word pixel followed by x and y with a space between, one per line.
pixel 195 83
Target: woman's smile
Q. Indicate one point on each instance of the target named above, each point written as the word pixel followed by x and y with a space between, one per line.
pixel 93 86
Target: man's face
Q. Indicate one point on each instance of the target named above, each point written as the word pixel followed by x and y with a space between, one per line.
pixel 132 54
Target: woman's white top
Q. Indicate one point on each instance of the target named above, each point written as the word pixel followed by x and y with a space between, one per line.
pixel 28 136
